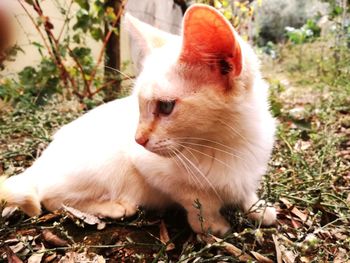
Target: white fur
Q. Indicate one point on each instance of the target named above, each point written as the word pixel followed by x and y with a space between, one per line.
pixel 94 163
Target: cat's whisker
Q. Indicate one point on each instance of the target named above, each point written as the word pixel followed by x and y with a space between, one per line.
pixel 228 150
pixel 211 141
pixel 213 148
pixel 202 175
pixel 176 158
pixel 234 131
pixel 185 144
pixel 121 73
pixel 191 153
pixel 205 154
pixel 197 163
pixel 241 136
pixel 192 175
pixel 187 167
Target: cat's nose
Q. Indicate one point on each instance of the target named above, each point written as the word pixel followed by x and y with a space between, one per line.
pixel 142 140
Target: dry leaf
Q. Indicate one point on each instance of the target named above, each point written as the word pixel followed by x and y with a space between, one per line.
pixel 11 241
pixel 341 256
pixel 230 248
pixel 8 211
pixel 18 247
pixel 11 257
pixel 164 236
pixel 49 217
pixel 53 239
pixel 282 253
pixel 50 258
pixel 73 257
pixel 296 211
pixel 36 258
pixel 295 223
pixel 305 259
pixel 260 258
pixel 278 250
pixel 286 240
pixel 87 218
pixel 338 234
pixel 288 255
pixel 27 234
pixel 301 145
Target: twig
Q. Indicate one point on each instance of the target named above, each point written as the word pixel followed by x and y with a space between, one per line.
pixel 288 144
pixel 337 198
pixel 230 248
pixel 165 246
pixel 55 47
pixel 313 203
pixel 37 28
pixel 81 71
pixel 104 86
pixel 102 51
pixel 66 20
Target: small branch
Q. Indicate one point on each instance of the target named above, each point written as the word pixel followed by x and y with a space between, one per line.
pixel 106 84
pixel 86 83
pixel 102 51
pixel 55 47
pixel 66 21
pixel 37 28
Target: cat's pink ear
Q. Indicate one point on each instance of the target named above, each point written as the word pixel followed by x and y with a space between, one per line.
pixel 209 38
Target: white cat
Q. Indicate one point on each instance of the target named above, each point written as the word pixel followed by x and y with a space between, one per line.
pixel 199 115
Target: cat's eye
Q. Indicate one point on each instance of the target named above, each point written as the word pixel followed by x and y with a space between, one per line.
pixel 165 107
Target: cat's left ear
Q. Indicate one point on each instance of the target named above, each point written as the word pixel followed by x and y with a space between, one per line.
pixel 208 38
pixel 145 36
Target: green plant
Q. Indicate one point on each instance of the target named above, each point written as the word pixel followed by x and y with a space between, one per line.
pixel 307 32
pixel 67 65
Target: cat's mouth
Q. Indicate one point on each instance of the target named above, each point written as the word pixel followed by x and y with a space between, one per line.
pixel 166 151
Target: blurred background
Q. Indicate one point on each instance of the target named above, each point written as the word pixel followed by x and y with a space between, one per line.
pixel 79 48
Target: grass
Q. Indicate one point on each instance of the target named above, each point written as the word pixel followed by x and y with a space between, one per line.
pixel 308 180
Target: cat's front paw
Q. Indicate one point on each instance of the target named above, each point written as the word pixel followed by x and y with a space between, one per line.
pixel 216 225
pixel 112 209
pixel 118 210
pixel 269 217
pixel 263 212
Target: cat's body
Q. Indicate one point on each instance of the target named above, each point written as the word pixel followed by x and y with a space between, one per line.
pixel 202 128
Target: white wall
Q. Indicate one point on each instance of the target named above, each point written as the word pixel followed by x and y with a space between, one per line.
pixel 25 33
pixel 163 14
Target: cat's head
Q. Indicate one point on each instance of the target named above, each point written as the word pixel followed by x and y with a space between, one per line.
pixel 190 87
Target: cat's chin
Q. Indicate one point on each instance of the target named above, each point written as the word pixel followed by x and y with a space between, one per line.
pixel 165 152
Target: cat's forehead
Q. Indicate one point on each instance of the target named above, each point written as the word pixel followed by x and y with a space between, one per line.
pixel 160 61
pixel 160 86
pixel 160 76
pixel 165 76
